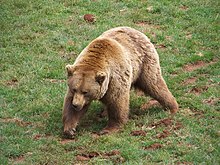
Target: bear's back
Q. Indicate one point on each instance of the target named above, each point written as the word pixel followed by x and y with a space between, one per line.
pixel 136 45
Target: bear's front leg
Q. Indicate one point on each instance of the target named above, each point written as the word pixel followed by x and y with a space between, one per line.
pixel 71 117
pixel 118 109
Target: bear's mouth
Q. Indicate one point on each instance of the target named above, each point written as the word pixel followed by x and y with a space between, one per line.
pixel 77 107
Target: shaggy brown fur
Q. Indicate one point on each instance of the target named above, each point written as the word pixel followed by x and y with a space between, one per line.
pixel 106 70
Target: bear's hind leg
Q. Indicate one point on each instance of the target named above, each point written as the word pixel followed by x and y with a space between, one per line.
pixel 153 84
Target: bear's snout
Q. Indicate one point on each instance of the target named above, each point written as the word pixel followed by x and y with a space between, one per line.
pixel 78 101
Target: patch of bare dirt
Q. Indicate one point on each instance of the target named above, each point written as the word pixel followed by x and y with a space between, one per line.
pixel 65 141
pixel 198 114
pixel 150 104
pixel 20 159
pixel 170 126
pixel 166 122
pixel 192 67
pixel 40 136
pixel 138 133
pixel 198 90
pixel 211 101
pixel 197 65
pixel 114 154
pixel 12 82
pixel 169 123
pixel 17 121
pixel 153 146
pixel 37 137
pixel 163 135
pixel 82 158
pixel 88 156
pixel 191 80
pixel 178 126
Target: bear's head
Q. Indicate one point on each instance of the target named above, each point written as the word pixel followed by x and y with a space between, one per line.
pixel 86 85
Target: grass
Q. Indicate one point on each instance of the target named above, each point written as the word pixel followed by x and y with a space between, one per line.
pixel 37 40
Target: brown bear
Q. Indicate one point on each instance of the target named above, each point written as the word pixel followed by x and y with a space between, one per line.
pixel 106 70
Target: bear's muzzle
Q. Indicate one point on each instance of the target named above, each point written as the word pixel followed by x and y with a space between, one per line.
pixel 77 107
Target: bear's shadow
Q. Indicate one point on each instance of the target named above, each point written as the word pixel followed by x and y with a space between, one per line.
pixel 93 121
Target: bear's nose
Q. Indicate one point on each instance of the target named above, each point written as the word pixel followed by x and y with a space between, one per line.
pixel 76 106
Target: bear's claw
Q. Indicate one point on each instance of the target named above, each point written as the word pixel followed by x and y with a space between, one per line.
pixel 70 133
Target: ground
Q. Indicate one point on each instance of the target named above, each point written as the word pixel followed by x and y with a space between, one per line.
pixel 37 40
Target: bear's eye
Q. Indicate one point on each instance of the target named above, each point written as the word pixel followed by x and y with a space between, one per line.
pixel 74 90
pixel 84 92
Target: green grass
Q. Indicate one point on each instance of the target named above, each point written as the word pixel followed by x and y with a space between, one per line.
pixel 37 40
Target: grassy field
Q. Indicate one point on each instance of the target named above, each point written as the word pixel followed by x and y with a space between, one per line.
pixel 38 38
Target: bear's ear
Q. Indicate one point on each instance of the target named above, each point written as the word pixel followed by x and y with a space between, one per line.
pixel 100 77
pixel 69 69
